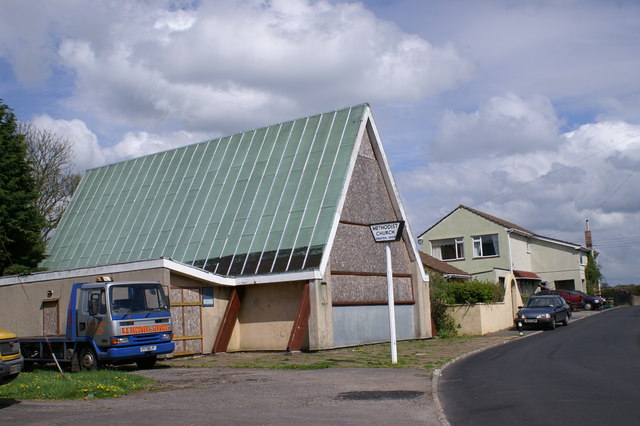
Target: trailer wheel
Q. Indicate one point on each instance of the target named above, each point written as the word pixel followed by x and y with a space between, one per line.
pixel 146 363
pixel 88 360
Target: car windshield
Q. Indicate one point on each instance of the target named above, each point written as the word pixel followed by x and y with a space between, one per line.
pixel 539 302
pixel 137 298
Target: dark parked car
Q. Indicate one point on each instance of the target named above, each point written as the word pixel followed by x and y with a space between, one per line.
pixel 543 311
pixel 590 302
pixel 574 300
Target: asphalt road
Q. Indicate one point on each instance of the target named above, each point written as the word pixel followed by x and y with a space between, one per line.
pixel 587 373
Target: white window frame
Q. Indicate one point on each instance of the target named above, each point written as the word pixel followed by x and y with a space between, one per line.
pixel 458 244
pixel 477 246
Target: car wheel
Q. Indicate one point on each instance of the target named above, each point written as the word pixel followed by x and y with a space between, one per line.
pixel 552 326
pixel 588 306
pixel 88 359
pixel 565 322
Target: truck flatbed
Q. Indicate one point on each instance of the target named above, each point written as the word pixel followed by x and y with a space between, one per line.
pixel 56 338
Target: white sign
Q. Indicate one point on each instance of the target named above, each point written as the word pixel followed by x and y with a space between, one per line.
pixel 388 231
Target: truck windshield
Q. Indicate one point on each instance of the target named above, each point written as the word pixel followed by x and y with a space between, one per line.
pixel 139 298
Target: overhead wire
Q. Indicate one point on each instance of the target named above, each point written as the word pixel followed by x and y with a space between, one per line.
pixel 550 173
pixel 615 191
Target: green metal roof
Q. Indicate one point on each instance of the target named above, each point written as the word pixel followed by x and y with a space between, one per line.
pixel 262 201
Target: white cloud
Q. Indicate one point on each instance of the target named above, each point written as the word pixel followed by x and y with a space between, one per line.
pixel 578 53
pixel 590 173
pixel 504 125
pixel 178 20
pixel 222 65
pixel 138 77
pixel 88 153
pixel 137 144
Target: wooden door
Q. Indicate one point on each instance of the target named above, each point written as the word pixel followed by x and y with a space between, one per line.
pixel 186 313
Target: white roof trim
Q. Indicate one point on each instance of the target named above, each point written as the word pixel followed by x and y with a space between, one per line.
pixel 457 276
pixel 519 232
pixel 548 239
pixel 396 200
pixel 162 263
pixel 343 197
pixel 561 243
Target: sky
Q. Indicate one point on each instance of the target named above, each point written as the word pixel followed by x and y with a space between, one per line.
pixel 526 110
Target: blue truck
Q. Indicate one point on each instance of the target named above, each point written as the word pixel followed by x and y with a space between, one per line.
pixel 108 322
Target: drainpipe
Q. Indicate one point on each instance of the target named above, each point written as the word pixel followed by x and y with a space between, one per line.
pixel 509 242
pixel 514 305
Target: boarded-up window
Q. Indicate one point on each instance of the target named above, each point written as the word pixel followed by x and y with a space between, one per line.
pixel 50 316
pixel 187 320
pixel 565 285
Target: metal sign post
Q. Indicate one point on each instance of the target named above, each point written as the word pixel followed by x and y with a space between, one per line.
pixel 386 233
pixel 391 303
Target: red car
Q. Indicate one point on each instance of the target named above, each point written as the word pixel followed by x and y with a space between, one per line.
pixel 572 299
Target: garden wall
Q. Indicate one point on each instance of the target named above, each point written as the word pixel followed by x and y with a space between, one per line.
pixel 481 318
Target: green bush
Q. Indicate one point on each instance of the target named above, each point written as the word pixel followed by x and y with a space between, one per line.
pixel 611 292
pixel 592 274
pixel 445 293
pixel 474 291
pixel 439 293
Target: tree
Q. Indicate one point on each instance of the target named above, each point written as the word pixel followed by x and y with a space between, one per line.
pixel 50 157
pixel 592 273
pixel 21 243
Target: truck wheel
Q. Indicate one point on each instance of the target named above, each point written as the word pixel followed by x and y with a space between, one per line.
pixel 88 360
pixel 146 363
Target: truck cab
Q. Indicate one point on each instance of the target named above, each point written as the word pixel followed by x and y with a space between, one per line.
pixel 109 322
pixel 11 361
pixel 121 321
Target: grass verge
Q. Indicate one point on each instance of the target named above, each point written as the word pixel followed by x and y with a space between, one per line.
pixel 426 354
pixel 49 384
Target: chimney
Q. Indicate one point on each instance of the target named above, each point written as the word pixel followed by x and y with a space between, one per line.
pixel 587 237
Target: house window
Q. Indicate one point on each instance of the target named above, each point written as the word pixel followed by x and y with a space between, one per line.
pixel 450 249
pixel 485 246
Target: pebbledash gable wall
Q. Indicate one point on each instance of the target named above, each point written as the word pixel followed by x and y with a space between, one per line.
pixel 358 277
